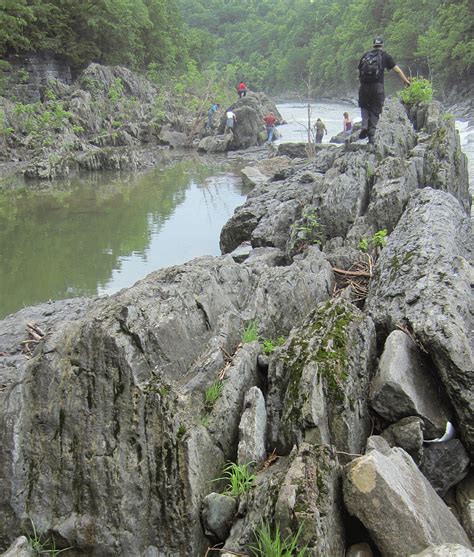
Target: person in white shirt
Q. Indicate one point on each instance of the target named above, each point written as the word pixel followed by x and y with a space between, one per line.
pixel 230 120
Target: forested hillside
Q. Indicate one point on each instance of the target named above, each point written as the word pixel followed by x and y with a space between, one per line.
pixel 277 44
pixel 274 45
pixel 128 32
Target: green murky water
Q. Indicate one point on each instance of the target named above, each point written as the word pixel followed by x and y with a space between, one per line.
pixel 99 233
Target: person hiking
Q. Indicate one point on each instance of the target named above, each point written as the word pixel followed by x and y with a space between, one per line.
pixel 230 119
pixel 270 122
pixel 242 89
pixel 347 124
pixel 320 130
pixel 371 67
pixel 210 115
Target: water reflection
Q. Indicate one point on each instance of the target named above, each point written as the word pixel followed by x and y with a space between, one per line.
pixel 99 233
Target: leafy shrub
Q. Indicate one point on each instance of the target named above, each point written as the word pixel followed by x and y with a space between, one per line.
pixel 270 544
pixel 420 90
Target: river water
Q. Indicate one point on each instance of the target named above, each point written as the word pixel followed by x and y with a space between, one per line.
pixel 98 233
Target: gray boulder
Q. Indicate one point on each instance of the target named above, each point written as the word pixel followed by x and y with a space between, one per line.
pixel 423 280
pixel 359 550
pixel 310 494
pixel 252 177
pixel 215 143
pixel 217 515
pixel 407 434
pixel 398 506
pixel 20 548
pixel 445 464
pixel 446 550
pixel 252 430
pixel 406 386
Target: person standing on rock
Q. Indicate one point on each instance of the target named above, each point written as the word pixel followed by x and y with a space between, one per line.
pixel 270 122
pixel 371 67
pixel 347 124
pixel 242 90
pixel 230 120
pixel 210 116
pixel 320 130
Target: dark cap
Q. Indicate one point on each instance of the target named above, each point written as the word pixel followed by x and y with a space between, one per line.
pixel 378 41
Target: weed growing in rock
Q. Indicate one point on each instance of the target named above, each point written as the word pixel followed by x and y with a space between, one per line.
pixel 420 90
pixel 239 479
pixel 307 231
pixel 250 333
pixel 40 547
pixel 212 394
pixel 271 544
pixel 270 345
pixel 378 240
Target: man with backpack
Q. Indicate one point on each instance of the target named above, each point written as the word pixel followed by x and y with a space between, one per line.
pixel 372 66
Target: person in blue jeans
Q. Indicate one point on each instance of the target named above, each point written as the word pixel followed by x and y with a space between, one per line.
pixel 270 122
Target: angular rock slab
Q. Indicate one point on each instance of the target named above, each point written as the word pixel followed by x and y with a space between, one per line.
pixel 253 429
pixel 398 506
pixel 423 280
pixel 345 192
pixel 406 386
pixel 465 501
pixel 445 464
pixel 446 550
pixel 20 548
pixel 407 434
pixel 310 494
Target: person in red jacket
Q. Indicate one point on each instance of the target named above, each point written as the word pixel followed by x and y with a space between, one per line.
pixel 242 89
pixel 270 121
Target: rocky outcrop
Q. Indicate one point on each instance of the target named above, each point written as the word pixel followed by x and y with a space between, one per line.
pixel 119 431
pixel 133 375
pixel 249 112
pixel 422 280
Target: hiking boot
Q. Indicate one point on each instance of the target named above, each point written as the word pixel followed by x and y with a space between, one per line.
pixel 363 133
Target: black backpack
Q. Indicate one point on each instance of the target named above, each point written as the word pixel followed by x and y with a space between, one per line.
pixel 371 67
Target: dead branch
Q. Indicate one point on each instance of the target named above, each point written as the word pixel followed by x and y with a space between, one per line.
pixel 352 273
pixel 221 550
pixel 271 458
pixel 35 328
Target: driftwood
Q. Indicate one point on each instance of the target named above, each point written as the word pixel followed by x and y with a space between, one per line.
pixel 36 334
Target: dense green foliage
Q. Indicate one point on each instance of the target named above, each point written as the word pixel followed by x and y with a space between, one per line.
pixel 128 32
pixel 274 45
pixel 420 90
pixel 277 45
